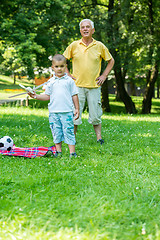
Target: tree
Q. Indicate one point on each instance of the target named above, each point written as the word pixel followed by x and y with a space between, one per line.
pixel 12 64
pixel 34 28
pixel 130 29
pixel 117 39
pixel 153 56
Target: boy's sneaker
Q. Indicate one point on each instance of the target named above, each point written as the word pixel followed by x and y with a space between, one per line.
pixel 101 141
pixel 58 154
pixel 73 155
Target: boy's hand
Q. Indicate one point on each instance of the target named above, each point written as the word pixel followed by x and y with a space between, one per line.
pixel 32 95
pixel 76 114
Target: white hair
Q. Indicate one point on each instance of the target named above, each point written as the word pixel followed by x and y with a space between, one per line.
pixel 91 22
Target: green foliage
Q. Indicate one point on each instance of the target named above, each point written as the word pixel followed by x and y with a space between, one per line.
pixel 43 28
pixel 34 28
pixel 38 30
pixel 12 63
pixel 107 192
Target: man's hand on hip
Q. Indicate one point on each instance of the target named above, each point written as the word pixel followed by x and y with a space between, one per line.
pixel 100 80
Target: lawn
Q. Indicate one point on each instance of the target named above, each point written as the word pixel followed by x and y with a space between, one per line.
pixel 108 192
pixel 7 88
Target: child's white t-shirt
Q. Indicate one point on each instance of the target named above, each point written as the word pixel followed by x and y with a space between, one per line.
pixel 61 91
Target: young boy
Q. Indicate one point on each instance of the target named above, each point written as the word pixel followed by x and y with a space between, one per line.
pixel 62 93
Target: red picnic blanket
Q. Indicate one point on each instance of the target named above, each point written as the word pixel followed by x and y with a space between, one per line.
pixel 29 152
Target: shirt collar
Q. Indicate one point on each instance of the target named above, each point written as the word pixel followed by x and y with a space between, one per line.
pixel 61 78
pixel 91 44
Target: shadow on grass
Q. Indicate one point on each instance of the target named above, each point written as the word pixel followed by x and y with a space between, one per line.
pixel 117 109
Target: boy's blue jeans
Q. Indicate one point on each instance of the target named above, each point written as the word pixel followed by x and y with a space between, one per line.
pixel 62 127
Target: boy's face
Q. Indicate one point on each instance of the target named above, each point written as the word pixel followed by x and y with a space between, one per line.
pixel 59 68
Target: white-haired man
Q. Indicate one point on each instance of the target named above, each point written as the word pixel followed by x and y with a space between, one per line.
pixel 86 55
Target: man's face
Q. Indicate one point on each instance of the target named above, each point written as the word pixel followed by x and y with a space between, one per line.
pixel 59 68
pixel 86 29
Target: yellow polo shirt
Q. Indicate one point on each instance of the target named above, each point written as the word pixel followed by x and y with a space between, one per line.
pixel 86 61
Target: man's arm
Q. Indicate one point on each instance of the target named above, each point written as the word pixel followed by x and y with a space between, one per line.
pixel 100 80
pixel 67 71
pixel 76 105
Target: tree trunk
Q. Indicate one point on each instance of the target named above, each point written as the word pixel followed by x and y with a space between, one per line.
pixel 105 98
pixel 157 88
pixel 113 32
pixel 104 89
pixel 149 91
pixel 129 104
pixel 147 100
pixel 117 98
pixel 14 78
pixel 133 89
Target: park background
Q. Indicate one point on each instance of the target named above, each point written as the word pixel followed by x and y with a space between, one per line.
pixel 108 192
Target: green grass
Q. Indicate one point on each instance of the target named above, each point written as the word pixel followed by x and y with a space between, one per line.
pixel 8 82
pixel 108 192
pixel 8 88
pixel 118 107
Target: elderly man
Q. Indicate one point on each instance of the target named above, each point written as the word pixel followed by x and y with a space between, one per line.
pixel 86 55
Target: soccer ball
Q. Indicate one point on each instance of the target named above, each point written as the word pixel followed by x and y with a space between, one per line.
pixel 6 143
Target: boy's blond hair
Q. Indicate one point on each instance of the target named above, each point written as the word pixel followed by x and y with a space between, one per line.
pixel 58 57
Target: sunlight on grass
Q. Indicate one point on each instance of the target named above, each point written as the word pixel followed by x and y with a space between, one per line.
pixel 24 111
pixel 134 118
pixel 16 229
pixel 9 80
pixel 8 88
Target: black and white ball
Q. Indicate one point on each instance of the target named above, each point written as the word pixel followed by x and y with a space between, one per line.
pixel 6 143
